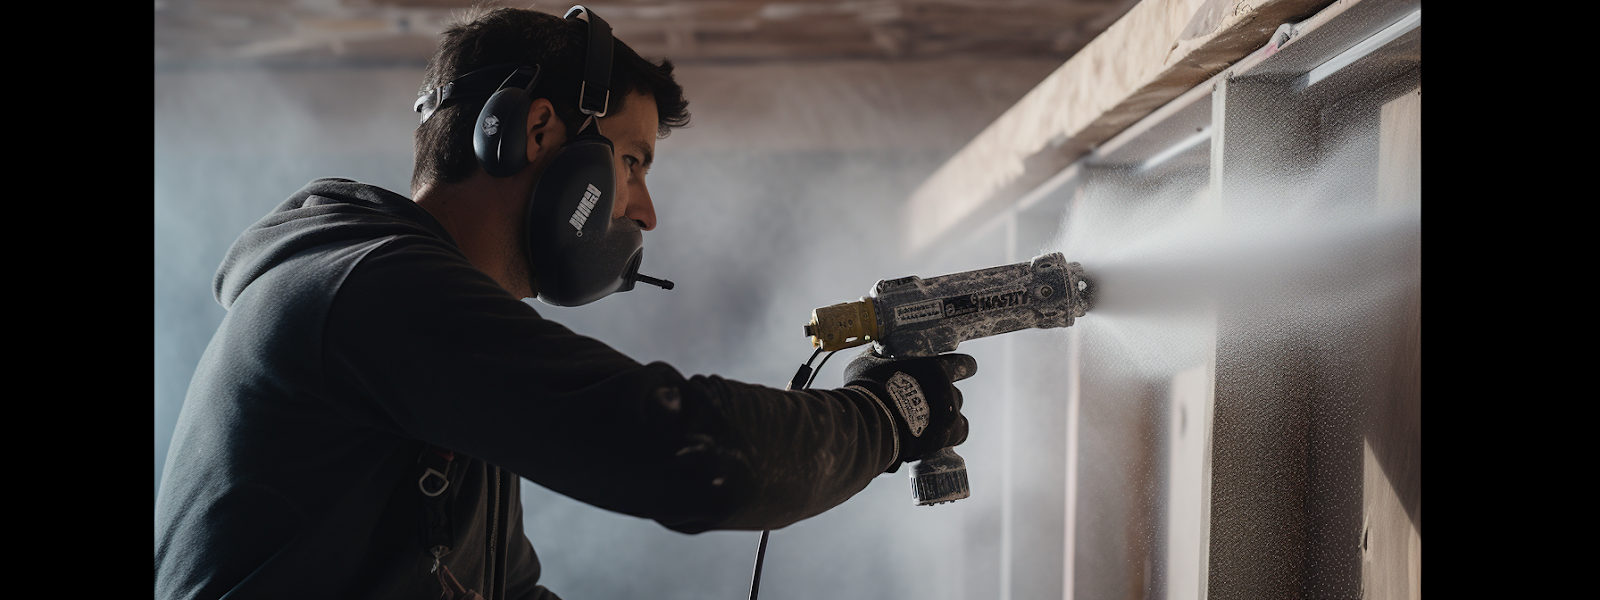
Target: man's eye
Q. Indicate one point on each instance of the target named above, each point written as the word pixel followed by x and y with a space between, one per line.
pixel 630 161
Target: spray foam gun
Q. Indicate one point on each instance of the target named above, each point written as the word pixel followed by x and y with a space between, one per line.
pixel 912 316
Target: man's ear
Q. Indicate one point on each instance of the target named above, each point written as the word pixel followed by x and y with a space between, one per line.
pixel 546 133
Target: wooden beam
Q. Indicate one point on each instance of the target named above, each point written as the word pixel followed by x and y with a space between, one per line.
pixel 923 108
pixel 1157 51
pixel 286 33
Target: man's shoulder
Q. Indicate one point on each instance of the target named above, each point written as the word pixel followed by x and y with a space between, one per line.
pixel 346 208
pixel 361 220
pixel 335 220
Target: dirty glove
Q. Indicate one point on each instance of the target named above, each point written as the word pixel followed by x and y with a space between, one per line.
pixel 920 395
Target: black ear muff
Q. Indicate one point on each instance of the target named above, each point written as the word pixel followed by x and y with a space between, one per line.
pixel 501 139
pixel 579 253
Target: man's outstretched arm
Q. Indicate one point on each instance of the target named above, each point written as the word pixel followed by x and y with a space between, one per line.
pixel 430 348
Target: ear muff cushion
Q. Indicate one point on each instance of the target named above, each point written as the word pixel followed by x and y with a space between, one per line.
pixel 501 140
pixel 579 253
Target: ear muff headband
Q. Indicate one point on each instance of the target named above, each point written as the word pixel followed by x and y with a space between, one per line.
pixel 499 140
pixel 594 94
pixel 480 83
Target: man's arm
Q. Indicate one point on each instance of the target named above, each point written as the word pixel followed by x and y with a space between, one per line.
pixel 422 345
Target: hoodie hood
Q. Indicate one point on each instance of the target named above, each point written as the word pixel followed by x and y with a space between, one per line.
pixel 325 211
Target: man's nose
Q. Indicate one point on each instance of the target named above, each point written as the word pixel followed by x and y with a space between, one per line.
pixel 637 205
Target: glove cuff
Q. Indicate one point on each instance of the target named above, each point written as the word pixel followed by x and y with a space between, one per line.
pixel 894 424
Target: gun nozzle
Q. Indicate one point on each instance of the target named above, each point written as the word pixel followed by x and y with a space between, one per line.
pixel 844 325
pixel 1083 289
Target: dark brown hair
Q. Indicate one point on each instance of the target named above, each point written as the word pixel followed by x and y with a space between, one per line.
pixel 443 144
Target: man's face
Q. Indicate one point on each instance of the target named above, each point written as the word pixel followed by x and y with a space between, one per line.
pixel 632 131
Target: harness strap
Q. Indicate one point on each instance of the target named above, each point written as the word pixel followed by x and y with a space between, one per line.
pixel 438 467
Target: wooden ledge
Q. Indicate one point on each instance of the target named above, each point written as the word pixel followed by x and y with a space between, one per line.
pixel 1157 51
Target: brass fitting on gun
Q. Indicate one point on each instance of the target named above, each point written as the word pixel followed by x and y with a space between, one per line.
pixel 844 325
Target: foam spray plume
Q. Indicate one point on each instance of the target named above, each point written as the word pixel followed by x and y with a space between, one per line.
pixel 1162 264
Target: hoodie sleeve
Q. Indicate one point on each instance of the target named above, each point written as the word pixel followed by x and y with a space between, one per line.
pixel 421 344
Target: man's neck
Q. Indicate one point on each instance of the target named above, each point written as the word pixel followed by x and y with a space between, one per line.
pixel 482 213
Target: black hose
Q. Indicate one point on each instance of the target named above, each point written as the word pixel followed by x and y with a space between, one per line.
pixel 761 555
pixel 819 368
pixel 802 380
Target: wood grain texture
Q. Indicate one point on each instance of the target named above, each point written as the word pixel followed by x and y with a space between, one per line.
pixel 932 105
pixel 1391 542
pixel 208 32
pixel 1400 151
pixel 1158 50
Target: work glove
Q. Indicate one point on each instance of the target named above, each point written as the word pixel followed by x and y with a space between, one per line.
pixel 921 397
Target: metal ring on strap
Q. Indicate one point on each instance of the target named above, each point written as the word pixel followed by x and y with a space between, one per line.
pixel 422 483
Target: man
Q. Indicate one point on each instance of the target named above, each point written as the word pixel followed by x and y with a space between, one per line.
pixel 359 422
